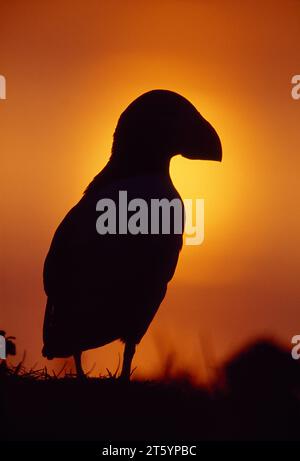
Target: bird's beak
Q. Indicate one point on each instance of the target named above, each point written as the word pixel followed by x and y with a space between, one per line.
pixel 202 141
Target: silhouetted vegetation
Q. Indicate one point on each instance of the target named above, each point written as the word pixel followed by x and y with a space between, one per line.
pixel 256 397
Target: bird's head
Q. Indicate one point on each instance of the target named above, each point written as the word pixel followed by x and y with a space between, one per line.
pixel 160 124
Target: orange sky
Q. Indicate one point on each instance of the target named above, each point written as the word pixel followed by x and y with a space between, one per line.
pixel 71 68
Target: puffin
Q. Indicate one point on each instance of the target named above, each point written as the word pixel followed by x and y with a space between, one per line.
pixel 108 286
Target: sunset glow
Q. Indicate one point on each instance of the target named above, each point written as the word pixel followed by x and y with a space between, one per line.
pixel 71 68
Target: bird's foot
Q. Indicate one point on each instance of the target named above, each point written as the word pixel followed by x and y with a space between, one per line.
pixel 81 376
pixel 124 377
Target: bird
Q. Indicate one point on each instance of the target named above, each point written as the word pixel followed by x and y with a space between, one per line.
pixel 106 287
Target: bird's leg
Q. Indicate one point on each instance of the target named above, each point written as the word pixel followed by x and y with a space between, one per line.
pixel 129 351
pixel 79 370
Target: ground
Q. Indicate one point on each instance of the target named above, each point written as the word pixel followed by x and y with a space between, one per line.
pixel 256 397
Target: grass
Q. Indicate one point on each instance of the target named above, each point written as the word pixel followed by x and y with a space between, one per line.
pixel 256 397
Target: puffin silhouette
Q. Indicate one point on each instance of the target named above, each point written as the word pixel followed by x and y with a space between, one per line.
pixel 101 288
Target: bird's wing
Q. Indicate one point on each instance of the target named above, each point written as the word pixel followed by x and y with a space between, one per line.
pixel 113 282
